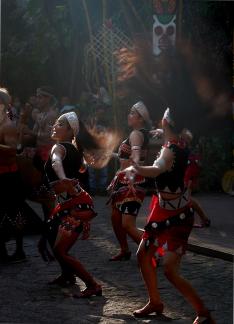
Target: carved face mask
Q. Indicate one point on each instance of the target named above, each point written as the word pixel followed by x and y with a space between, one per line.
pixel 164 35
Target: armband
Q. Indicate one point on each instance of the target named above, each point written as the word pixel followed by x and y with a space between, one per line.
pixel 136 147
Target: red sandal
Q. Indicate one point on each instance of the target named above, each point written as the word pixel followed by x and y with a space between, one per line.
pixel 204 320
pixel 149 309
pixel 122 256
pixel 89 292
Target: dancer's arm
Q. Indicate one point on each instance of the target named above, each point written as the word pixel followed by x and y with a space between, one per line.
pixel 162 164
pixel 136 140
pixel 57 155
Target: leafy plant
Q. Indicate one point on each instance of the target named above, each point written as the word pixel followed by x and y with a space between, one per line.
pixel 216 159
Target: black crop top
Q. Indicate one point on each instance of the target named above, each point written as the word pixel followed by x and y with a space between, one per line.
pixel 125 147
pixel 173 180
pixel 72 163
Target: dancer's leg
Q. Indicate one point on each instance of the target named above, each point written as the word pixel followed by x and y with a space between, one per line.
pixel 129 225
pixel 199 210
pixel 171 265
pixel 64 241
pixel 148 271
pixel 119 231
pixel 149 276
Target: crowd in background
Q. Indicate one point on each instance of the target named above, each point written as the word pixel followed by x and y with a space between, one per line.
pixel 25 143
pixel 46 131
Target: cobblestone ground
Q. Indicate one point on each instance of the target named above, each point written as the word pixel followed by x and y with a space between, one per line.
pixel 26 298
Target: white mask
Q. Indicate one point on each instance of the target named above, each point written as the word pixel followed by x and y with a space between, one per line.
pixel 164 35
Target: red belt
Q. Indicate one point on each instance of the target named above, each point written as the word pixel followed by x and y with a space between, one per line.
pixel 8 168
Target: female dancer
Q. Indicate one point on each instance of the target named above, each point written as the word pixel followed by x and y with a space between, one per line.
pixel 75 208
pixel 127 197
pixel 12 193
pixel 169 224
pixel 191 174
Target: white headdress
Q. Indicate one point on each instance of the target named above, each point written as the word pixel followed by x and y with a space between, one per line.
pixel 4 95
pixel 73 121
pixel 167 116
pixel 142 110
pixel 43 92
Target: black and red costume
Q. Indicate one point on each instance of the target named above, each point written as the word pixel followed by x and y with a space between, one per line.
pixel 12 196
pixel 127 196
pixel 170 221
pixel 71 212
pixel 193 170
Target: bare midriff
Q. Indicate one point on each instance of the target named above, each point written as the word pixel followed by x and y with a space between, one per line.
pixel 169 196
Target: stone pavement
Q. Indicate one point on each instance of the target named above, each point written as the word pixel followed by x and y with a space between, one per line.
pixel 26 298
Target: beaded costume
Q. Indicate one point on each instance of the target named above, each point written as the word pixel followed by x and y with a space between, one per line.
pixel 170 221
pixel 128 194
pixel 72 213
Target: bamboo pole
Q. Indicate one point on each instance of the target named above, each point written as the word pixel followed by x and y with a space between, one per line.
pixel 110 74
pixel 137 15
pixel 91 39
pixel 106 69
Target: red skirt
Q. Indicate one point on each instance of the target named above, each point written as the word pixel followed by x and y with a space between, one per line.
pixel 73 214
pixel 127 197
pixel 79 207
pixel 168 230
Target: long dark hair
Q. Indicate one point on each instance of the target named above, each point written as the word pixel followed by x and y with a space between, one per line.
pixel 96 147
pixel 85 140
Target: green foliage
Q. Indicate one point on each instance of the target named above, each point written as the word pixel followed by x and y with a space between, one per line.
pixel 39 38
pixel 216 159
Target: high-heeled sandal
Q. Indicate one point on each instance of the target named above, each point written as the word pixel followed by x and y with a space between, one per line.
pixel 205 223
pixel 207 319
pixel 89 292
pixel 149 309
pixel 122 256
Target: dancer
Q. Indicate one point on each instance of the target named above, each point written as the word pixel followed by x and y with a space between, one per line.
pixel 169 224
pixel 191 178
pixel 127 197
pixel 191 174
pixel 72 214
pixel 12 193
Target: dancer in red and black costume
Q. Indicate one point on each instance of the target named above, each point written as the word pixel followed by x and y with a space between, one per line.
pixel 169 223
pixel 191 177
pixel 12 193
pixel 72 214
pixel 127 195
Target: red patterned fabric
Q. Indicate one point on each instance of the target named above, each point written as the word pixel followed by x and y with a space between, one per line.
pixel 174 238
pixel 157 213
pixel 124 191
pixel 75 212
pixel 126 195
pixel 79 207
pixel 193 171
